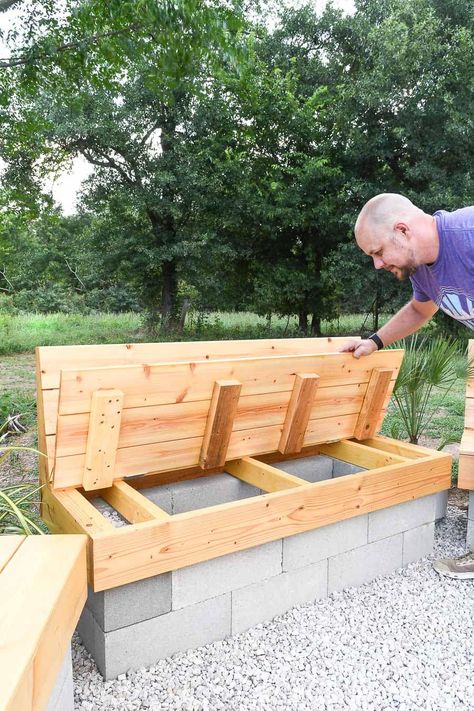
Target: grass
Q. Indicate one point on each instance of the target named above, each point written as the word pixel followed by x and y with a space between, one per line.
pixel 22 333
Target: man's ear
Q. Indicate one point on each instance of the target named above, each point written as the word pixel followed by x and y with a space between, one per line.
pixel 403 228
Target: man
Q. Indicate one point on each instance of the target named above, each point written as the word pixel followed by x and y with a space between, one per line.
pixel 436 252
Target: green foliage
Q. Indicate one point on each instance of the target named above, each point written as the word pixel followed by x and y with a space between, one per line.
pixel 428 365
pixel 17 513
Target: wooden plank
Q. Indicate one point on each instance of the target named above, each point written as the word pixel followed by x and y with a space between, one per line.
pixel 298 413
pixel 360 455
pixel 8 547
pixel 220 420
pixel 45 463
pixel 466 471
pixel 161 423
pixel 373 403
pixel 132 505
pixel 102 439
pixel 403 449
pixel 52 359
pixel 45 588
pixel 168 383
pixel 68 510
pixel 150 548
pixel 166 456
pixel 263 476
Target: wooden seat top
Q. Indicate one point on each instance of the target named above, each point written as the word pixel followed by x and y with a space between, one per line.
pixel 144 408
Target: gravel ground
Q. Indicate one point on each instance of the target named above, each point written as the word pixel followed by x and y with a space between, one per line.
pixel 402 642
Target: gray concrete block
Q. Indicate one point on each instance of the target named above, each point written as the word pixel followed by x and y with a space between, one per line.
pixel 92 637
pixel 401 517
pixel 418 543
pixel 317 468
pixel 341 468
pixel 263 601
pixel 229 572
pixel 141 645
pixel 62 695
pixel 470 510
pixel 305 548
pixel 441 504
pixel 209 491
pixel 470 534
pixel 131 603
pixel 161 496
pixel 362 565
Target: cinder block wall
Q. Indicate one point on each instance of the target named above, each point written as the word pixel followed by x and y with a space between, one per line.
pixel 470 522
pixel 135 625
pixel 62 695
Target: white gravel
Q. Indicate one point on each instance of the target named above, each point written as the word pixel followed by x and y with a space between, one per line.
pixel 402 642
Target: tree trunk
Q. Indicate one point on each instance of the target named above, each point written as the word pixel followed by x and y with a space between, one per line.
pixel 303 322
pixel 315 325
pixel 168 295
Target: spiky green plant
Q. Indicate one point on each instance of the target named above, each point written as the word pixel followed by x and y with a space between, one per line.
pixel 17 512
pixel 427 364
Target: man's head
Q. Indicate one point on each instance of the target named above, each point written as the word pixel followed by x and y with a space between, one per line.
pixel 387 229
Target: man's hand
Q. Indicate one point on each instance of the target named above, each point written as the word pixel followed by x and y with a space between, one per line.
pixel 359 348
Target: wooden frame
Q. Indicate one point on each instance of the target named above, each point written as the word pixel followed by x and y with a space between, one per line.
pixel 238 415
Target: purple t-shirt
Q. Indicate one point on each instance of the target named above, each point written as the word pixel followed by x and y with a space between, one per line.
pixel 449 281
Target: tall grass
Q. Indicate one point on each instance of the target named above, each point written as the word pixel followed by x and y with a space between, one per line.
pixel 23 332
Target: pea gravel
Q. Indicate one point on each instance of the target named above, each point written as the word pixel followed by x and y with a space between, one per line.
pixel 402 642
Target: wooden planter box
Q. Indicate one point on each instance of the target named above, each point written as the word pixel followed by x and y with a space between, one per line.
pixel 115 420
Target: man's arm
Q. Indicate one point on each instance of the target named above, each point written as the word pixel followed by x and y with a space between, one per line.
pixel 409 319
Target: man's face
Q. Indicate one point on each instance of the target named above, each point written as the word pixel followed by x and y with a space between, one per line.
pixel 390 252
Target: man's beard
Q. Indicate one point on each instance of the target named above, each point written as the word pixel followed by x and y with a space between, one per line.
pixel 405 273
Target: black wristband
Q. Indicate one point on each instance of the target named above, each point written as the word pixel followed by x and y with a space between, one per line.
pixel 377 340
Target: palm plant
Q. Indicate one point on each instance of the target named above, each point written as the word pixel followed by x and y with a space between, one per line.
pixel 17 515
pixel 428 364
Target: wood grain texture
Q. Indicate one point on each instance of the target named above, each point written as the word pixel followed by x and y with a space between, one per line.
pixel 360 454
pixel 372 406
pixel 219 424
pixel 43 601
pixel 263 476
pixel 298 413
pixel 102 439
pixel 132 505
pixel 151 548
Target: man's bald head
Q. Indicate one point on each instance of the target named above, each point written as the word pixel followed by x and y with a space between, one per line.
pixel 382 212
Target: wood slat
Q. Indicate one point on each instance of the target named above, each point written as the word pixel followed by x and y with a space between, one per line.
pixel 403 449
pixel 52 359
pixel 186 382
pixel 43 589
pixel 149 549
pixel 220 420
pixel 8 547
pixel 360 455
pixel 102 439
pixel 179 454
pixel 132 505
pixel 298 413
pixel 373 403
pixel 145 425
pixel 263 476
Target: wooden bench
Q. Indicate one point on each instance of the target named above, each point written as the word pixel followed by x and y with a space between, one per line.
pixel 466 450
pixel 117 419
pixel 43 588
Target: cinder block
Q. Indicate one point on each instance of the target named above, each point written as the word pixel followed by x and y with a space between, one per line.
pixel 305 548
pixel 62 695
pixel 441 504
pixel 470 534
pixel 209 491
pixel 418 542
pixel 141 645
pixel 160 495
pixel 341 468
pixel 229 572
pixel 470 509
pixel 131 603
pixel 92 637
pixel 362 565
pixel 317 468
pixel 401 517
pixel 263 601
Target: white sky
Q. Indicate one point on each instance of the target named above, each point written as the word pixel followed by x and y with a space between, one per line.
pixel 66 185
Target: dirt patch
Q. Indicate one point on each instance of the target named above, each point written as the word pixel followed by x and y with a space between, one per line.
pixel 459 498
pixel 17 372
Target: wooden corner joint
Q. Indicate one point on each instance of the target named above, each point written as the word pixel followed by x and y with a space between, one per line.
pixel 102 439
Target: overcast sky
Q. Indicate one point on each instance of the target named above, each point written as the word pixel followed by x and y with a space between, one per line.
pixel 66 185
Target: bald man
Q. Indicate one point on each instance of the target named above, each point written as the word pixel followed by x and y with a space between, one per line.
pixel 436 252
